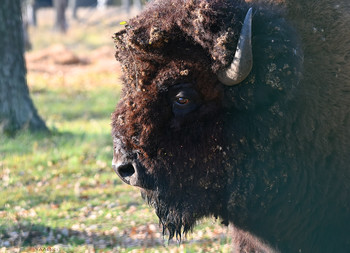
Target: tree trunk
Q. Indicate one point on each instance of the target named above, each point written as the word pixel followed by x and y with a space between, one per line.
pixel 60 9
pixel 28 19
pixel 31 8
pixel 16 108
pixel 138 5
pixel 102 4
pixel 26 39
pixel 126 6
pixel 73 5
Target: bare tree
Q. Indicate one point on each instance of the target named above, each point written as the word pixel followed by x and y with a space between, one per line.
pixel 137 4
pixel 102 4
pixel 16 108
pixel 126 6
pixel 73 5
pixel 61 21
pixel 28 18
pixel 31 7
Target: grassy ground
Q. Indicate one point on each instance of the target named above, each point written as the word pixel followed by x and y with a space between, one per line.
pixel 58 192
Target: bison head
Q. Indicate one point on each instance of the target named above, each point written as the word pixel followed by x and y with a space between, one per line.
pixel 204 84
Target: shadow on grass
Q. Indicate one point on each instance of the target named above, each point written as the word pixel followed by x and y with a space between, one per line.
pixel 36 236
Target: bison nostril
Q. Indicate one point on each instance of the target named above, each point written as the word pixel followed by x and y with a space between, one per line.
pixel 126 170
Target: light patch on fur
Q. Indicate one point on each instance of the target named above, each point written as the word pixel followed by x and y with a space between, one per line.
pixel 245 242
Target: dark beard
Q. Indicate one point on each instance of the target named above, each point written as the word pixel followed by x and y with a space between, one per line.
pixel 176 216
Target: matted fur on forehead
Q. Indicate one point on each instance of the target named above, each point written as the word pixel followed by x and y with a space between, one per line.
pixel 165 31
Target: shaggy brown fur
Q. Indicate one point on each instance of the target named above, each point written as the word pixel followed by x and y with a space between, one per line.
pixel 268 155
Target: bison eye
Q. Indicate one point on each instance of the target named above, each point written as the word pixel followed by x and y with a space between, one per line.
pixel 182 101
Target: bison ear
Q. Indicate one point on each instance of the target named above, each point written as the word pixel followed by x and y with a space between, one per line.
pixel 242 62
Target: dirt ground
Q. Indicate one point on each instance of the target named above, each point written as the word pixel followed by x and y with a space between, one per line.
pixel 59 59
pixel 86 47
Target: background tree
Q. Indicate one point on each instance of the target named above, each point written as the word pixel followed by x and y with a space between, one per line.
pixel 138 4
pixel 28 18
pixel 126 5
pixel 102 4
pixel 73 5
pixel 31 7
pixel 60 9
pixel 16 108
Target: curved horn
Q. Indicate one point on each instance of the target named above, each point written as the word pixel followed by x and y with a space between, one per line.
pixel 243 60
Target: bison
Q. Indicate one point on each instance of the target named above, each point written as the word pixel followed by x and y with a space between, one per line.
pixel 240 110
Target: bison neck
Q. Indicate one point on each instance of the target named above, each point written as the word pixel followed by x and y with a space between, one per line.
pixel 279 181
